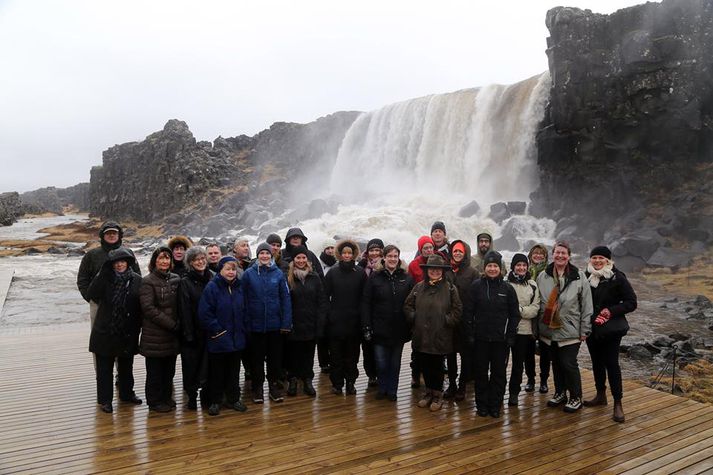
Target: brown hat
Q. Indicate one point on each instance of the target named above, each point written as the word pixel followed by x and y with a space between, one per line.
pixel 435 261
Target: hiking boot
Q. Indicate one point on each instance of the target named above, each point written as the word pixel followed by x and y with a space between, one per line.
pixel 543 388
pixel 495 413
pixel 308 388
pixel 258 396
pixel 351 390
pixel 426 398
pixel 240 406
pixel 512 400
pixel 600 399
pixel 107 407
pixel 618 415
pixel 276 393
pixel 214 409
pixel 573 405
pixel 436 402
pixel 557 400
pixel 292 387
pixel 530 386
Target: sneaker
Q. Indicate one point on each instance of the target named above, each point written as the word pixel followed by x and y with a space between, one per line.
pixel 308 388
pixel 240 406
pixel 436 402
pixel 557 400
pixel 494 413
pixel 530 387
pixel 482 413
pixel 543 388
pixel 276 394
pixel 214 409
pixel 573 405
pixel 380 395
pixel 258 397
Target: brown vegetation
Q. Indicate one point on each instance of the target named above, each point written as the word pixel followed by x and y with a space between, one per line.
pixel 696 279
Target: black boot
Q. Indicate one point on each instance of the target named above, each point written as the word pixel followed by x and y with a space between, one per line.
pixel 308 388
pixel 292 387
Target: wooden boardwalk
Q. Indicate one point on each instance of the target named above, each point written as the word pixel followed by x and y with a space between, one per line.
pixel 50 424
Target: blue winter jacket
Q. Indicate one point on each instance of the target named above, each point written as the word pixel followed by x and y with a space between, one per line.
pixel 221 312
pixel 267 299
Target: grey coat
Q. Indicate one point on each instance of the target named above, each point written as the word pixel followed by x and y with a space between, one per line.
pixel 575 302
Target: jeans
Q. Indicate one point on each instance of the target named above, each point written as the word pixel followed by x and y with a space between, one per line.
pixel 388 367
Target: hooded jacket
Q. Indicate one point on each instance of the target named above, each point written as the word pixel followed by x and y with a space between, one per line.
pixel 344 286
pixel 575 304
pixel 309 308
pixel 94 259
pixel 477 259
pixel 221 312
pixel 267 299
pixel 619 297
pixel 286 253
pixel 433 311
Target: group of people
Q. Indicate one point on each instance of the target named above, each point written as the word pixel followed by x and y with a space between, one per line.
pixel 280 308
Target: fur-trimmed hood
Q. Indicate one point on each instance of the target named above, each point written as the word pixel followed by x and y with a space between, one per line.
pixel 346 243
pixel 180 239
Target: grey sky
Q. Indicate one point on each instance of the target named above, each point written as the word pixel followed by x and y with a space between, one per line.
pixel 77 77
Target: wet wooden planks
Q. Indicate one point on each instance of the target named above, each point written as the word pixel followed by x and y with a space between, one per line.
pixel 51 424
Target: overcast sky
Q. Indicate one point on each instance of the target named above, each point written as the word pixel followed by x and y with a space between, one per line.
pixel 77 77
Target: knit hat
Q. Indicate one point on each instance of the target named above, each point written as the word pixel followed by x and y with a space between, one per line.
pixel 484 235
pixel 438 225
pixel 435 261
pixel 224 260
pixel 493 257
pixel 263 246
pixel 518 258
pixel 376 242
pixel 423 240
pixel 274 239
pixel 299 250
pixel 601 251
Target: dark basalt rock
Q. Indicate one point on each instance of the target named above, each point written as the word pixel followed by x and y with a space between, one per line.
pixel 10 208
pixel 471 209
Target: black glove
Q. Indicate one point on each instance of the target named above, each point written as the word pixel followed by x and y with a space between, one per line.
pixel 367 333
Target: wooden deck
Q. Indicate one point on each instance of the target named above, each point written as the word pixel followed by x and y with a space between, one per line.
pixel 50 424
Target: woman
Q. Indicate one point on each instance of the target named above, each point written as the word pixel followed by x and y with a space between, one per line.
pixel 309 314
pixel 425 248
pixel 462 276
pixel 383 320
pixel 179 245
pixel 115 332
pixel 434 310
pixel 221 312
pixel 194 364
pixel 269 316
pixel 523 352
pixel 159 329
pixel 493 317
pixel 371 259
pixel 612 297
pixel 538 262
pixel 566 308
pixel 344 286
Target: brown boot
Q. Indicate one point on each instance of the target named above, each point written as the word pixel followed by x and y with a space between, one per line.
pixel 618 412
pixel 437 401
pixel 599 400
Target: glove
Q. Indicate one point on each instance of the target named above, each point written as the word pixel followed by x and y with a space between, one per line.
pixel 367 333
pixel 603 317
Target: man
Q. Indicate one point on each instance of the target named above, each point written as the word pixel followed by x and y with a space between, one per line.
pixel 214 254
pixel 294 238
pixel 440 240
pixel 484 242
pixel 275 243
pixel 241 251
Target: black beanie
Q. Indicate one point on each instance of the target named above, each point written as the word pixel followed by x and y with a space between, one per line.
pixel 274 239
pixel 438 225
pixel 376 242
pixel 493 257
pixel 299 250
pixel 518 258
pixel 601 251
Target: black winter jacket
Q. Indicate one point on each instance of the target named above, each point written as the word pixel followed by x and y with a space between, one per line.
pixel 382 306
pixel 344 286
pixel 159 327
pixel 286 258
pixel 92 263
pixel 309 308
pixel 190 290
pixel 619 297
pixel 493 311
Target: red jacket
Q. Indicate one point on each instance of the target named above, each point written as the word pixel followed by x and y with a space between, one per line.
pixel 414 269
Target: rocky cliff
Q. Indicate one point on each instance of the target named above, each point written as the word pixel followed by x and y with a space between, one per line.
pixel 10 208
pixel 626 145
pixel 55 200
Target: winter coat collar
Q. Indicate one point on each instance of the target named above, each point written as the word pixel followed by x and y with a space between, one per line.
pixel 572 272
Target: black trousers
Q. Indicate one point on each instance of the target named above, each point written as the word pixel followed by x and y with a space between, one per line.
pixel 105 377
pixel 466 365
pixel 432 367
pixel 545 362
pixel 523 356
pixel 415 366
pixel 194 368
pixel 344 352
pixel 492 357
pixel 300 359
pixel 565 369
pixel 224 376
pixel 323 352
pixel 605 362
pixel 159 379
pixel 452 363
pixel 367 349
pixel 265 346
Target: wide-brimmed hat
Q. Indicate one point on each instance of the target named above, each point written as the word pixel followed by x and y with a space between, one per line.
pixel 435 262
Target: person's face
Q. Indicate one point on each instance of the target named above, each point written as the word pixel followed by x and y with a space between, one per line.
pixel 347 254
pixel 111 237
pixel 483 245
pixel 264 257
pixel 598 262
pixel 214 254
pixel 492 270
pixel 438 236
pixel 375 253
pixel 391 260
pixel 458 255
pixel 229 271
pixel 241 249
pixel 275 247
pixel 520 269
pixel 163 262
pixel 329 250
pixel 435 274
pixel 300 261
pixel 538 256
pixel 199 263
pixel 120 266
pixel 561 256
pixel 295 241
pixel 427 250
pixel 178 252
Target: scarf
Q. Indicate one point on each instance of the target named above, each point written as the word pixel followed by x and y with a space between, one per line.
pixel 346 265
pixel 119 291
pixel 300 274
pixel 434 282
pixel 551 315
pixel 605 273
pixel 535 269
pixel 327 259
pixel 518 279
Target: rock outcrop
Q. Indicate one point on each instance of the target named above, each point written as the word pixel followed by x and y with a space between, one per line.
pixel 10 208
pixel 627 140
pixel 55 200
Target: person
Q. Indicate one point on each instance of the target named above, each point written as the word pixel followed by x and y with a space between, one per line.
pixel 269 316
pixel 115 333
pixel 326 258
pixel 425 249
pixel 612 298
pixel 461 275
pixel 194 361
pixel 344 286
pixel 371 259
pixel 538 262
pixel 221 311
pixel 309 315
pixel 275 243
pixel 214 254
pixel 493 315
pixel 328 261
pixel 295 237
pixel 523 351
pixel 484 241
pixel 440 240
pixel 434 310
pixel 566 308
pixel 179 245
pixel 159 329
pixel 241 252
pixel 383 320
